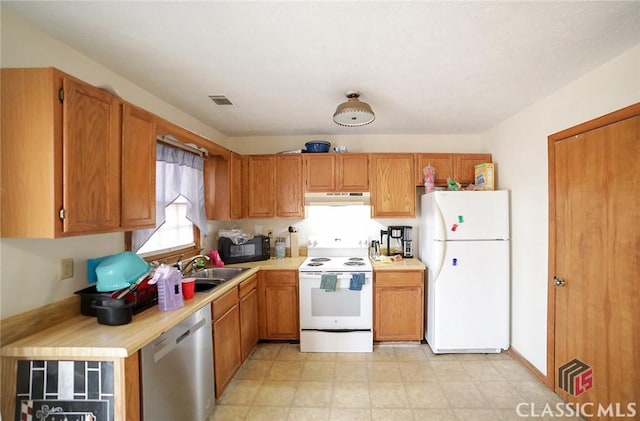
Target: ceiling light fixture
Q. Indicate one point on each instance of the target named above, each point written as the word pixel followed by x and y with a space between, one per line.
pixel 353 113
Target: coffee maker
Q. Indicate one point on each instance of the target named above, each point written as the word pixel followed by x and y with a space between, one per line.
pixel 399 240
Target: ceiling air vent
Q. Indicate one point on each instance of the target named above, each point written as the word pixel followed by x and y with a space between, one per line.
pixel 220 100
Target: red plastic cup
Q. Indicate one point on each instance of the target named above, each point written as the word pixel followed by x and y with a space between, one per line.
pixel 188 288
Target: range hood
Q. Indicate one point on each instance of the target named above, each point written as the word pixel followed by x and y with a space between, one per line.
pixel 337 198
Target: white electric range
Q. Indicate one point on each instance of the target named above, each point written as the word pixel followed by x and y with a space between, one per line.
pixel 340 319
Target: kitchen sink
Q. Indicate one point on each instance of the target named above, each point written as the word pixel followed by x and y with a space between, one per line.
pixel 206 285
pixel 222 274
pixel 210 278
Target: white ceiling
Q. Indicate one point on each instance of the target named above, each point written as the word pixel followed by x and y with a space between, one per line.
pixel 424 67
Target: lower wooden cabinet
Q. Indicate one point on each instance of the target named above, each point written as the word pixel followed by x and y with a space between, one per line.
pixel 278 304
pixel 227 356
pixel 249 330
pixel 398 305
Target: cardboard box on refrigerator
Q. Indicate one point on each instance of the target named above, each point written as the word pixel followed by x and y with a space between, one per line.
pixel 485 179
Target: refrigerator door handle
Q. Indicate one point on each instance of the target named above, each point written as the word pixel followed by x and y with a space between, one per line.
pixel 440 222
pixel 440 253
pixel 441 243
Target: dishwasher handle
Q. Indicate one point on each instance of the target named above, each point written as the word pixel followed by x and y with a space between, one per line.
pixel 183 337
pixel 165 345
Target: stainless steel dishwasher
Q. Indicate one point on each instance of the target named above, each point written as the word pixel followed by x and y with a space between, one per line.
pixel 177 372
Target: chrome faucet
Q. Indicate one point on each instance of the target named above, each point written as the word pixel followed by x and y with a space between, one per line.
pixel 182 267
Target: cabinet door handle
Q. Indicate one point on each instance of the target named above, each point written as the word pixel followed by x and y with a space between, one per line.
pixel 559 282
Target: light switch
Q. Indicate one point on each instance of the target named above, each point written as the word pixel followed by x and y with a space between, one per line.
pixel 66 268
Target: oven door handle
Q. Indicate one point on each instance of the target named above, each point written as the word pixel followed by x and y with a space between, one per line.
pixel 337 330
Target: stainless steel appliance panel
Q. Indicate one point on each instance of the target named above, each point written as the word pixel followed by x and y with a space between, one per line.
pixel 177 372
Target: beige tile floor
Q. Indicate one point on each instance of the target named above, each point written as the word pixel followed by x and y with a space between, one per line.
pixel 395 382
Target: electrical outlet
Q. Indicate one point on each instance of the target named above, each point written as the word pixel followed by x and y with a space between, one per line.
pixel 66 269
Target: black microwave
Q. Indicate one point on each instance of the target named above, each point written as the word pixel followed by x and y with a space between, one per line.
pixel 258 248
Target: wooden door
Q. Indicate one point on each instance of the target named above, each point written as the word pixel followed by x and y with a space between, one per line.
pixel 138 168
pixel 320 172
pixel 352 172
pixel 393 192
pixel 91 159
pixel 594 311
pixel 260 186
pixel 289 185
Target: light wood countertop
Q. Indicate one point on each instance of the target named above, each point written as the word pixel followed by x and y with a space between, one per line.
pixel 82 337
pixel 404 264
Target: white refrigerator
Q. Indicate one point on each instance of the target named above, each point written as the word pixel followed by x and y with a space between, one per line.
pixel 464 242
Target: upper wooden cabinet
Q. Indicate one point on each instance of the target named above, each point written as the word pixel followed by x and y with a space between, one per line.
pixel 320 172
pixel 442 162
pixel 464 166
pixel 393 192
pixel 289 185
pixel 260 186
pixel 460 167
pixel 336 172
pixel 274 186
pixel 138 168
pixel 223 187
pixel 61 156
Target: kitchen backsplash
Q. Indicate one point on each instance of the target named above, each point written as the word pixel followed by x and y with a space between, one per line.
pixel 320 221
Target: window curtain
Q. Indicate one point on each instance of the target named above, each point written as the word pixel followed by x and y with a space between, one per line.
pixel 178 172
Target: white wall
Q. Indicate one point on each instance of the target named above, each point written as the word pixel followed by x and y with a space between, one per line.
pixel 519 145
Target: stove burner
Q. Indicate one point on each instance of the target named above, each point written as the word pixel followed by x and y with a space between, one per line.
pixel 320 259
pixel 352 263
pixel 356 259
pixel 315 264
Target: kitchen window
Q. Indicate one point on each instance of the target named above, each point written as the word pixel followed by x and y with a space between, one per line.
pixel 176 233
pixel 180 213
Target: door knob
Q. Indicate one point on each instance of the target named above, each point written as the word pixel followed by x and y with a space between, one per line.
pixel 559 282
